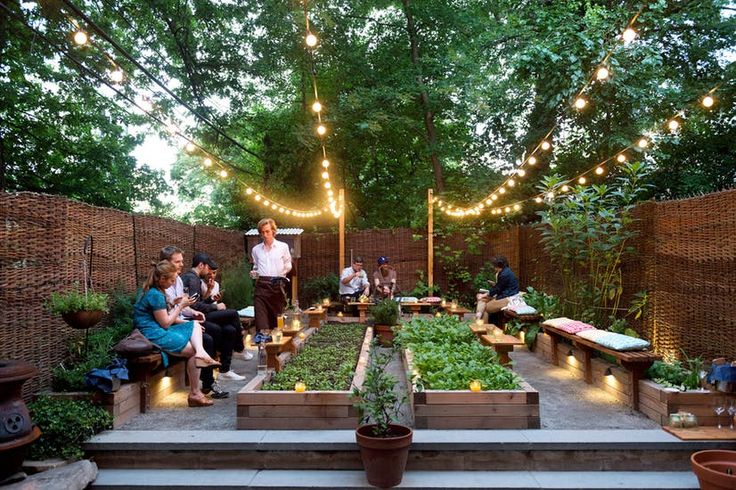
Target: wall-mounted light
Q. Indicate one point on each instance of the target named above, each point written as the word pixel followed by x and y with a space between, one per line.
pixel 608 372
pixel 570 353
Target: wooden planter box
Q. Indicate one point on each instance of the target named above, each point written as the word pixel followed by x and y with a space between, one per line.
pixel 464 409
pixel 261 409
pixel 658 402
pixel 123 404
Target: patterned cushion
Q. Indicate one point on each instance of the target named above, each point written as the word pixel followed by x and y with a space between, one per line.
pixel 431 299
pixel 614 341
pixel 574 326
pixel 556 322
pixel 406 299
pixel 523 310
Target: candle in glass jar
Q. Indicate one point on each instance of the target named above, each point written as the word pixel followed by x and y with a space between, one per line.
pixel 277 336
pixel 475 385
pixel 296 324
pixel 453 305
pixel 300 387
pixel 443 302
pixel 326 301
pixel 478 321
pixel 438 314
pixel 302 335
pixel 339 314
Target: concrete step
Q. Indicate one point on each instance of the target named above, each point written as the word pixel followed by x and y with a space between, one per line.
pixel 445 450
pixel 109 479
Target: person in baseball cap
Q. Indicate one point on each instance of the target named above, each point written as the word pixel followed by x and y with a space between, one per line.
pixel 384 279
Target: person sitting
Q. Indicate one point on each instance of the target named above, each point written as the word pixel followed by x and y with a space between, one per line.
pixel 384 279
pixel 167 330
pixel 354 282
pixel 497 297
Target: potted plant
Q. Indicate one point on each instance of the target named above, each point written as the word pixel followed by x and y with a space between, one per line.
pixel 79 309
pixel 385 318
pixel 384 444
pixel 715 469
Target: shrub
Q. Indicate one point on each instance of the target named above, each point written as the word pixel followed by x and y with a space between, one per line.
pixel 315 289
pixel 673 374
pixel 65 425
pixel 73 301
pixel 237 286
pixel 385 312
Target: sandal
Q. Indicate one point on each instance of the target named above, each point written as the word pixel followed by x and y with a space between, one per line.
pixel 201 401
pixel 206 362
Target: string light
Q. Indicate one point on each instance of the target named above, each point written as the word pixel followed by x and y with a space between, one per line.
pixel 223 173
pixel 207 162
pixel 249 191
pixel 538 200
pixel 565 188
pixel 521 172
pixel 81 38
pixel 502 191
pixel 317 106
pixel 599 170
pixel 580 103
pixel 628 35
pixel 708 101
pixel 546 145
pixel 311 40
pixel 602 73
pixel 511 182
pixel 325 163
pixel 325 175
pixel 517 207
pixel 582 180
pixel 673 125
pixel 190 148
pixel 532 160
pixel 642 143
pixel 621 158
pixel 321 130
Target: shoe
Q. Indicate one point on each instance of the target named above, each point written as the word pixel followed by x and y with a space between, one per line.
pixel 200 401
pixel 205 362
pixel 246 355
pixel 231 376
pixel 216 392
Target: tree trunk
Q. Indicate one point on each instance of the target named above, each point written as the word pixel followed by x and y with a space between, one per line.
pixel 439 180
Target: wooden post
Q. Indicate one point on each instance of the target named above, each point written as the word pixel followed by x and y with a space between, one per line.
pixel 341 204
pixel 430 239
pixel 294 281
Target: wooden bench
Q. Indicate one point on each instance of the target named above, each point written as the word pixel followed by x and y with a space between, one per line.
pixel 156 381
pixel 635 362
pixel 415 308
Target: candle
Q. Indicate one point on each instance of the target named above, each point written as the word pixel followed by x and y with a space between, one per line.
pixel 277 336
pixel 453 305
pixel 444 302
pixel 302 335
pixel 280 322
pixel 438 314
pixel 326 301
pixel 296 324
pixel 475 385
pixel 339 314
pixel 479 321
pixel 300 387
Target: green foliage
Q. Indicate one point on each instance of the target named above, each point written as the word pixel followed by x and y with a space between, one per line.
pixel 69 375
pixel 237 286
pixel 385 312
pixel 315 289
pixel 448 356
pixel 587 233
pixel 73 301
pixel 377 400
pixel 65 425
pixel 327 362
pixel 673 374
pixel 530 337
pixel 422 289
pixel 546 305
pixel 484 277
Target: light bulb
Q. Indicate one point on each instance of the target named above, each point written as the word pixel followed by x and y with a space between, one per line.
pixel 580 103
pixel 565 188
pixel 249 191
pixel 674 124
pixel 643 143
pixel 602 73
pixel 325 175
pixel 266 202
pixel 511 182
pixel 537 199
pixel 281 210
pixel 621 158
pixel 116 75
pixel 521 172
pixel 274 206
pixel 629 35
pixel 316 107
pixel 582 180
pixel 708 101
pixel 258 197
pixel 80 37
pixel 494 197
pixel 330 193
pixel 517 207
pixel 502 191
pixel 507 209
pixel 550 195
pixel 325 163
pixel 207 162
pixel 532 160
pixel 599 170
pixel 489 201
pixel 223 173
pixel 321 130
pixel 190 147
pixel 311 40
pixel 545 145
pixel 327 185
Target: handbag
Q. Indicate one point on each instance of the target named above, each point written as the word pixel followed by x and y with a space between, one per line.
pixel 136 344
pixel 107 379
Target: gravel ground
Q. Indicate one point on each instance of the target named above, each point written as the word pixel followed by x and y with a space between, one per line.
pixel 566 402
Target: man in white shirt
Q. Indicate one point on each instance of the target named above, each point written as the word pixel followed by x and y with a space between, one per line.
pixel 354 281
pixel 271 264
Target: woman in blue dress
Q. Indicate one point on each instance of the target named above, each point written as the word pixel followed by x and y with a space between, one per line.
pixel 165 328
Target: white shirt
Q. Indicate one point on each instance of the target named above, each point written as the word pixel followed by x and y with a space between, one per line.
pixel 273 262
pixel 174 291
pixel 215 288
pixel 358 283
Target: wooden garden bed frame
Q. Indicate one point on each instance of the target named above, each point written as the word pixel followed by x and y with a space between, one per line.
pixel 658 402
pixel 265 409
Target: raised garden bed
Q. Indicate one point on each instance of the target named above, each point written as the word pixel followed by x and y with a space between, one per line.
pixel 269 401
pixel 657 402
pixel 447 358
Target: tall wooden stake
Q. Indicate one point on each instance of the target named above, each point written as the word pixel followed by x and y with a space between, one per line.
pixel 430 239
pixel 341 204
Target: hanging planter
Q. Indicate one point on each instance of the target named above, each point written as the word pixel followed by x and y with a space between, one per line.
pixel 77 309
pixel 83 319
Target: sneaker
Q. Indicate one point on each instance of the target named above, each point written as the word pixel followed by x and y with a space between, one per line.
pixel 246 355
pixel 231 375
pixel 217 392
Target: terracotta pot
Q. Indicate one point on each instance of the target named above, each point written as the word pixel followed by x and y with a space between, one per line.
pixel 712 467
pixel 384 458
pixel 83 319
pixel 16 430
pixel 385 334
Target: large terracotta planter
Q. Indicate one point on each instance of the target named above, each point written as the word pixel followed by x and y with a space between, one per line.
pixel 712 468
pixel 384 458
pixel 83 319
pixel 16 430
pixel 385 334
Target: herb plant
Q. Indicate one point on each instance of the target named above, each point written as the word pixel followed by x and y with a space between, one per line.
pixel 73 301
pixel 675 374
pixel 385 312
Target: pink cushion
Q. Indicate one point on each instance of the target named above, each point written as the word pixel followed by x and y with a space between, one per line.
pixel 569 326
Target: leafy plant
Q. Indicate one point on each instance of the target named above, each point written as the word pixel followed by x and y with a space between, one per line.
pixel 73 301
pixel 485 275
pixel 385 312
pixel 327 361
pixel 317 288
pixel 237 286
pixel 546 305
pixel 422 289
pixel 620 325
pixel 65 425
pixel 673 374
pixel 530 337
pixel 377 400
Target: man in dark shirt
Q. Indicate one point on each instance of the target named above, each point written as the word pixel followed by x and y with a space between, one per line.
pixel 497 297
pixel 221 323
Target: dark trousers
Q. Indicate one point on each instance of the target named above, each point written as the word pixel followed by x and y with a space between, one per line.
pixel 205 374
pixel 269 302
pixel 224 327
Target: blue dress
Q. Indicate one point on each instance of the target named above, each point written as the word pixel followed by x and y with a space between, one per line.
pixel 173 339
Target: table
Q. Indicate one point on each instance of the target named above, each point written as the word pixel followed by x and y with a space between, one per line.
pixel 415 307
pixel 501 343
pixel 273 349
pixel 362 309
pixel 482 329
pixel 459 311
pixel 316 316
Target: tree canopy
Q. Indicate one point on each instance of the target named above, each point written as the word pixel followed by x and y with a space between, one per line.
pixel 449 95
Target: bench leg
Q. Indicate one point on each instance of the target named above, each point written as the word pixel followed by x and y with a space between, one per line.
pixel 587 367
pixel 636 372
pixel 555 341
pixel 503 353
